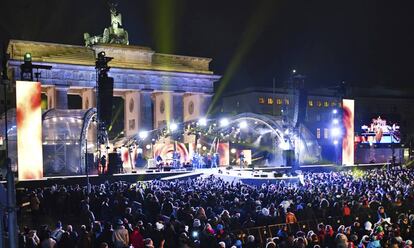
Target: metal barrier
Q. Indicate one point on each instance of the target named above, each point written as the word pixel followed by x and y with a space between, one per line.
pixel 262 233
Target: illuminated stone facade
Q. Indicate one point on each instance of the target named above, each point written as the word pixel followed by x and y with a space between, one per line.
pixel 140 75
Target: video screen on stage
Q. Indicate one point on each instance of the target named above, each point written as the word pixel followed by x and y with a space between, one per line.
pixel 29 130
pixel 379 131
pixel 348 106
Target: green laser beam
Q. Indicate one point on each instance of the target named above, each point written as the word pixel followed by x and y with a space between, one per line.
pixel 251 34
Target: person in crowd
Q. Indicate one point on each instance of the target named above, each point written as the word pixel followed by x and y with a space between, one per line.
pixel 120 235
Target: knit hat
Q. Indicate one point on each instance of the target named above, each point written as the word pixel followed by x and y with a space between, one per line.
pixel 159 226
pixel 238 243
pixel 250 238
pixel 196 223
pixel 265 211
pixel 368 226
pixel 119 222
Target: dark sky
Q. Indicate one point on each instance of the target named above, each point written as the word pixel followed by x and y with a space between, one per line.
pixel 362 42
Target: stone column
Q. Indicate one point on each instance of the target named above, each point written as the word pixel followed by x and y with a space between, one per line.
pixel 51 97
pixel 131 112
pixel 61 96
pixel 163 102
pixel 146 121
pixel 178 106
pixel 195 105
pixel 88 98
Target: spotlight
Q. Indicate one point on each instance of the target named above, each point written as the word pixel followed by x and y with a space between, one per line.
pixel 335 111
pixel 233 150
pixel 335 132
pixel 173 126
pixel 243 124
pixel 148 146
pixel 224 122
pixel 143 135
pixel 335 121
pixel 202 122
pixel 335 142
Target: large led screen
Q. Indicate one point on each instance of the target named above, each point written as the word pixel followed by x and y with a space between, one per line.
pixel 380 131
pixel 348 138
pixel 29 130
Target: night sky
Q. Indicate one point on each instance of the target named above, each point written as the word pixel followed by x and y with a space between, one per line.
pixel 362 42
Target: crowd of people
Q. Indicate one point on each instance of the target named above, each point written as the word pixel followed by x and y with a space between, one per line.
pixel 365 209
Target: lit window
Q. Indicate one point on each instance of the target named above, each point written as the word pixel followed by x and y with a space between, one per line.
pixel 261 100
pixel 270 101
pixel 278 101
pixel 326 104
pixel 319 104
pixel 310 103
pixel 318 133
pixel 325 133
pixel 287 101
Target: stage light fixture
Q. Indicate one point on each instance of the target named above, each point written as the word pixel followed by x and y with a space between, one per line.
pixel 143 135
pixel 335 111
pixel 224 122
pixel 148 146
pixel 233 150
pixel 335 132
pixel 173 126
pixel 202 122
pixel 335 121
pixel 243 124
pixel 335 142
pixel 284 145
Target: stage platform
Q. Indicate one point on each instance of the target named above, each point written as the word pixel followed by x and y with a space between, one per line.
pixel 256 176
pixel 142 175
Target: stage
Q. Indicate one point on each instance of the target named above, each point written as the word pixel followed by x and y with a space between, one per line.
pixel 255 176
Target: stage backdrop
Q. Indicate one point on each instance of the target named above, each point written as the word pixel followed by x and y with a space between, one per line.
pixel 348 137
pixel 29 130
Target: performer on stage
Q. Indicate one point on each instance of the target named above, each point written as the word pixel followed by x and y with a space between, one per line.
pixel 159 162
pixel 242 160
pixel 103 164
pixel 215 160
pixel 176 159
pixel 196 160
